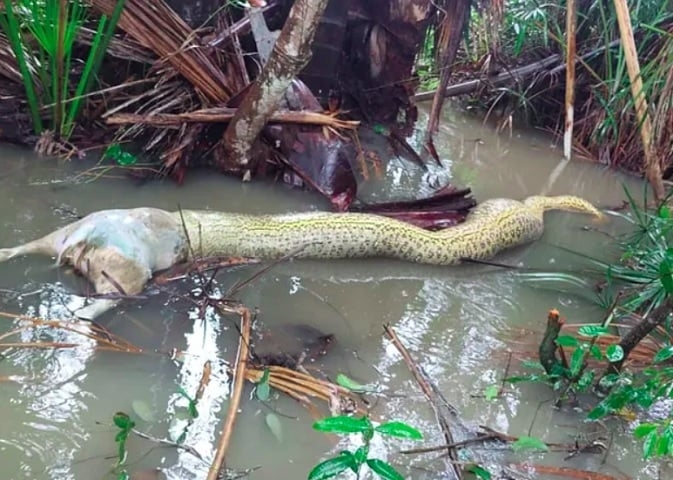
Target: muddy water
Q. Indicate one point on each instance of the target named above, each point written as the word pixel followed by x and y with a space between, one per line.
pixel 56 406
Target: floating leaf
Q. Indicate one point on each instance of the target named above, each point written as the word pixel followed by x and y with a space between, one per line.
pixel 263 389
pixel 344 424
pixel 529 443
pixel 332 467
pixel 399 430
pixel 143 410
pixel 614 353
pixel 480 472
pixel 273 422
pixel 384 469
pixel 351 384
pixel 491 392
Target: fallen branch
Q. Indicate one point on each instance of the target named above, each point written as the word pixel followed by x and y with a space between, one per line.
pixel 563 472
pixel 239 379
pixel 432 395
pixel 224 114
pixel 501 79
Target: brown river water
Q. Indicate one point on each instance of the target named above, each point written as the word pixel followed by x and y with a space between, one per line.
pixel 56 406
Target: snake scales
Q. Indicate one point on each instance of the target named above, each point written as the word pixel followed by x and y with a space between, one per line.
pixel 119 250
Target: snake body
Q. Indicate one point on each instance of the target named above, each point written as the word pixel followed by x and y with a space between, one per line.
pixel 119 250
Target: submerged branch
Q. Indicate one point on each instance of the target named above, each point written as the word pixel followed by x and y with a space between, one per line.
pixel 431 394
pixel 239 379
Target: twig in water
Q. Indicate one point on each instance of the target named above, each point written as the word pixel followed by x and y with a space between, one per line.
pixel 431 395
pixel 239 379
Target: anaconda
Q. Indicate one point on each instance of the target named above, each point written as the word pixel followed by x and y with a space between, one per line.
pixel 118 251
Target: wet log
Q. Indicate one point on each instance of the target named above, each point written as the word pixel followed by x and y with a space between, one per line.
pixel 548 347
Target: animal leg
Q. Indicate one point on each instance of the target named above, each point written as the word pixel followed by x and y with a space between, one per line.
pixel 111 273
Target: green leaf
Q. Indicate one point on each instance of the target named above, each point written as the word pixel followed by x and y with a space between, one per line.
pixel 586 379
pixel 664 212
pixel 332 467
pixel 524 378
pixel 263 391
pixel 529 443
pixel 479 472
pixel 123 475
pixel 361 455
pixel 595 351
pixel 273 422
pixel 126 159
pixel 576 362
pixel 123 421
pixel 351 384
pixel 664 354
pixel 399 430
pixel 665 275
pixel 344 424
pixel 599 411
pixel 379 129
pixel 566 341
pixel 592 331
pixel 491 392
pixel 193 411
pixel 649 443
pixel 644 429
pixel 532 364
pixel 384 469
pixel 614 353
pixel 663 444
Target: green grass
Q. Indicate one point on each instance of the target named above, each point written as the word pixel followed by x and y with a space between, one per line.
pixel 43 34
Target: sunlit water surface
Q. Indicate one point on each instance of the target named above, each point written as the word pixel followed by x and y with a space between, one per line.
pixel 56 405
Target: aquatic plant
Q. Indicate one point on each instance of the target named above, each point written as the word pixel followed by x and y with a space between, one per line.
pixel 353 461
pixel 639 286
pixel 42 35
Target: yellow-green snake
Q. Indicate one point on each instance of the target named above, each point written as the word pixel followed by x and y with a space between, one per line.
pixel 120 250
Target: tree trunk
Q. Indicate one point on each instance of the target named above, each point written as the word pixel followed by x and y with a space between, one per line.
pixel 290 54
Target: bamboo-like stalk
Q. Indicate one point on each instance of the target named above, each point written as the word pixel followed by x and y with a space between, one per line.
pixel 652 164
pixel 571 51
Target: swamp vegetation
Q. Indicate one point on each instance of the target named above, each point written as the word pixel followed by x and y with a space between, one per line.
pixel 159 93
